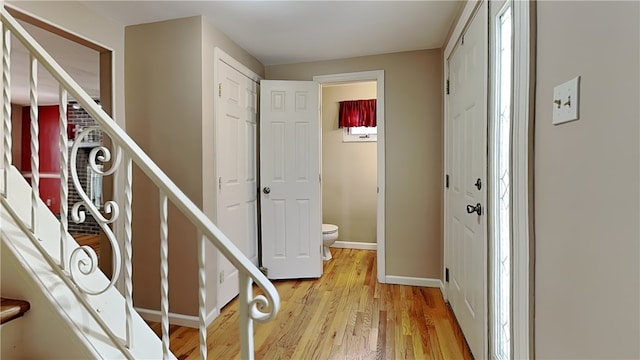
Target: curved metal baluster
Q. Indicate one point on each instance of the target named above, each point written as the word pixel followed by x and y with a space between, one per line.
pixel 85 257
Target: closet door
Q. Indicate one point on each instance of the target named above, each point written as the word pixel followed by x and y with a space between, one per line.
pixel 236 126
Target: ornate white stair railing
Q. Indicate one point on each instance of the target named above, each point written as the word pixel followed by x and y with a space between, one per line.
pixel 82 260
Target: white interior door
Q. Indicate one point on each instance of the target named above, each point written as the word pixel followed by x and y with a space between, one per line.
pixel 466 233
pixel 291 215
pixel 236 170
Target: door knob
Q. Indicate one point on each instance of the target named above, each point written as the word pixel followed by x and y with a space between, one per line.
pixel 474 209
pixel 266 190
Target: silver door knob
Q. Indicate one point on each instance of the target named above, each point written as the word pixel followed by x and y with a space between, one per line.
pixel 266 190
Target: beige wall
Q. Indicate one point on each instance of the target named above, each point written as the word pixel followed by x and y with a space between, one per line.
pixel 170 93
pixel 164 103
pixel 587 196
pixel 349 170
pixel 413 146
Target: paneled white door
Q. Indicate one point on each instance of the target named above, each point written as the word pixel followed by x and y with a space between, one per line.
pixel 236 126
pixel 466 218
pixel 290 179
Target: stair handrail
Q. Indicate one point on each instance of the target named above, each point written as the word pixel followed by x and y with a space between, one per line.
pixel 247 270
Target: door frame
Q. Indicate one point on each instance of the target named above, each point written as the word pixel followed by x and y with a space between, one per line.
pixel 522 166
pixel 378 77
pixel 523 252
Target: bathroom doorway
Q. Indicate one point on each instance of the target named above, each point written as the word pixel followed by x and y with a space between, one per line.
pixel 352 164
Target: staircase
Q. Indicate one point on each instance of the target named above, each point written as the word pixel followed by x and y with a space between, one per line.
pixel 76 311
pixel 12 309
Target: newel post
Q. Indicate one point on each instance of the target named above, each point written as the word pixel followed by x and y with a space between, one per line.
pixel 246 323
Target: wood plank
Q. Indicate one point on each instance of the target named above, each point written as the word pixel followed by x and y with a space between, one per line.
pixel 346 314
pixel 11 309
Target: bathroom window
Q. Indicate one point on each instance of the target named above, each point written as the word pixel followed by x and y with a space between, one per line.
pixel 357 118
pixel 360 134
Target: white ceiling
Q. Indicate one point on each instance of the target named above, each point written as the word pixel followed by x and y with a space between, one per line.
pixel 275 32
pixel 281 32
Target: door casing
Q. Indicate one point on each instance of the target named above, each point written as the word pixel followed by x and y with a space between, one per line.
pixel 378 77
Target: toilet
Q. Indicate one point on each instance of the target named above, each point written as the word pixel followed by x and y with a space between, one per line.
pixel 329 236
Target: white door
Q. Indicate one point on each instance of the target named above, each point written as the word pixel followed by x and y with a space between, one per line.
pixel 236 170
pixel 466 233
pixel 290 179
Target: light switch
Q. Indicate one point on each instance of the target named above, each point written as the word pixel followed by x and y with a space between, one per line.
pixel 566 101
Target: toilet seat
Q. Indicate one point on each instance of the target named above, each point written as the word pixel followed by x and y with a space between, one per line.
pixel 329 229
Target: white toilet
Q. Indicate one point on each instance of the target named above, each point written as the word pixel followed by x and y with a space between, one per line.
pixel 329 236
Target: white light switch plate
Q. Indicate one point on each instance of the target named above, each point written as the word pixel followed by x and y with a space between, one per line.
pixel 566 101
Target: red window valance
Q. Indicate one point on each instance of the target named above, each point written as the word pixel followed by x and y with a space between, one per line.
pixel 355 113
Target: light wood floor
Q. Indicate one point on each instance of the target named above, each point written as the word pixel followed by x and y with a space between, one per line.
pixel 346 314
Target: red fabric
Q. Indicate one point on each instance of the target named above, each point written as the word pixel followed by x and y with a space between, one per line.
pixel 357 113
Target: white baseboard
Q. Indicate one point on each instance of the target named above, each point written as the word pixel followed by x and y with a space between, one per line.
pixel 413 281
pixel 177 319
pixel 355 245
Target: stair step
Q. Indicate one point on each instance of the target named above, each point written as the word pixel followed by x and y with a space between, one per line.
pixel 11 309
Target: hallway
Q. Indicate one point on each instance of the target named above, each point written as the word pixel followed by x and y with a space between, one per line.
pixel 345 314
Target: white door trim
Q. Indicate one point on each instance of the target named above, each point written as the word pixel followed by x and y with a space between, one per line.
pixel 378 76
pixel 466 15
pixel 522 221
pixel 522 168
pixel 219 54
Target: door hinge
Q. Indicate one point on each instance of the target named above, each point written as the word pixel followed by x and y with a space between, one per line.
pixel 220 183
pixel 221 276
pixel 446 274
pixel 219 89
pixel 462 40
pixel 446 181
pixel 447 86
pixel 320 178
